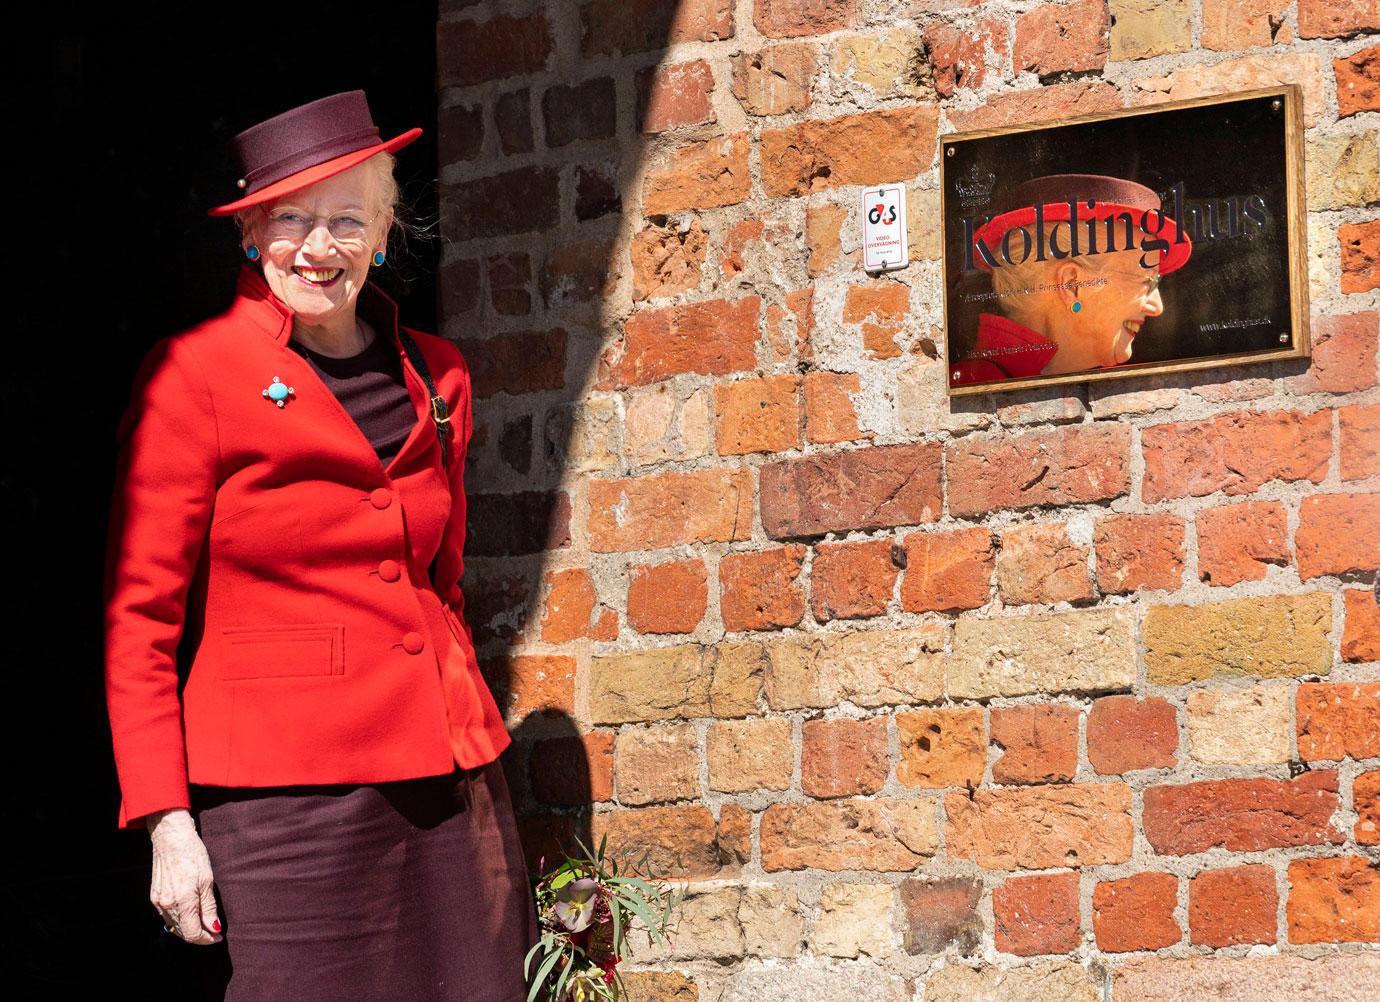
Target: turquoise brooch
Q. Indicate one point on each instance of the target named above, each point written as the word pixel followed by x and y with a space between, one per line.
pixel 278 392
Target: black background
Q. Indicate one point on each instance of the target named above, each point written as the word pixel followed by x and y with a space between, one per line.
pixel 117 119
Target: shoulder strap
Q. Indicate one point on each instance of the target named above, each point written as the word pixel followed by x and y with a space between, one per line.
pixel 439 413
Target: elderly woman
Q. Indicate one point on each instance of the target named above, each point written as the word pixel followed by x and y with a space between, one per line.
pixel 1073 292
pixel 290 505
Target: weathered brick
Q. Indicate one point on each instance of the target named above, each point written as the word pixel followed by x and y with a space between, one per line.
pixel 762 590
pixel 1333 900
pixel 510 281
pixel 596 191
pixel 1039 744
pixel 1287 978
pixel 1360 247
pixel 854 919
pixel 818 154
pixel 675 682
pixel 1065 980
pixel 1084 651
pixel 1343 349
pixel 648 513
pixel 958 55
pixel 1136 552
pixel 670 97
pixel 829 413
pixel 938 913
pixel 947 571
pixel 699 175
pixel 580 112
pixel 775 80
pixel 852 580
pixel 735 835
pixel 513 119
pixel 823 226
pixel 1061 38
pixel 880 307
pixel 706 928
pixel 670 597
pixel 1337 720
pixel 711 338
pixel 1229 25
pixel 1239 726
pixel 792 18
pixel 759 414
pixel 1039 104
pixel 1136 913
pixel 789 327
pixel 1232 906
pixel 611 26
pixel 1358 82
pixel 460 286
pixel 1336 534
pixel 571 602
pixel 879 835
pixel 1065 466
pixel 661 424
pixel 1143 29
pixel 872 67
pixel 1041 827
pixel 1241 815
pixel 668 258
pixel 681 841
pixel 1361 635
pixel 745 755
pixel 461 132
pixel 518 363
pixel 1126 733
pixel 1360 441
pixel 870 488
pixel 1037 914
pixel 867 668
pixel 843 757
pixel 1040 564
pixel 503 525
pixel 941 746
pixel 1235 542
pixel 471 52
pixel 1234 453
pixel 1365 795
pixel 1267 69
pixel 572 770
pixel 578 271
pixel 773 925
pixel 1274 636
pixel 1348 174
pixel 516 201
pixel 1336 18
pixel 652 764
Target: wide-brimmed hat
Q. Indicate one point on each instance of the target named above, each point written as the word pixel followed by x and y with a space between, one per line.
pixel 304 145
pixel 1110 196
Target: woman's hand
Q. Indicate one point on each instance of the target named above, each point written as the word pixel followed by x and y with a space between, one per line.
pixel 182 882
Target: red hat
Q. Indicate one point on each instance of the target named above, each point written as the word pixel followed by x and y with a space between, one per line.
pixel 1110 196
pixel 307 144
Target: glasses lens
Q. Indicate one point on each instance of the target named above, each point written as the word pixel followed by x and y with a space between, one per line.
pixel 292 225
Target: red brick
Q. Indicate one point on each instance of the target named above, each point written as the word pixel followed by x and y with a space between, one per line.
pixel 1333 900
pixel 1232 906
pixel 533 683
pixel 794 18
pixel 668 598
pixel 526 362
pixel 1360 441
pixel 843 757
pixel 667 259
pixel 941 746
pixel 1235 542
pixel 1039 564
pixel 1360 244
pixel 939 913
pixel 1037 915
pixel 471 52
pixel 647 513
pixel 1136 913
pixel 580 112
pixel 761 414
pixel 1137 552
pixel 1234 453
pixel 510 281
pixel 1337 18
pixel 1343 354
pixel 762 590
pixel 1242 815
pixel 789 327
pixel 669 97
pixel 460 286
pixel 775 80
pixel 1361 634
pixel 460 130
pixel 513 118
pixel 947 571
pixel 1126 733
pixel 570 606
pixel 852 580
pixel 681 842
pixel 1358 82
pixel 1063 466
pixel 1365 795
pixel 573 770
pixel 879 835
pixel 711 338
pixel 829 414
pixel 517 201
pixel 579 271
pixel 863 489
pixel 958 56
pixel 1337 720
pixel 699 175
pixel 610 26
pixel 507 525
pixel 1062 38
pixel 818 154
pixel 1336 534
pixel 1039 743
pixel 1041 104
pixel 1040 827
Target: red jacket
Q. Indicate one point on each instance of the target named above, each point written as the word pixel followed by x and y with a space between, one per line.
pixel 1005 350
pixel 299 565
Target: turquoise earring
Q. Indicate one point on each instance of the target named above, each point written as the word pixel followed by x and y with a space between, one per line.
pixel 378 258
pixel 1076 306
pixel 251 252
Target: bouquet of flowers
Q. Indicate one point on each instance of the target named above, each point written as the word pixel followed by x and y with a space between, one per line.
pixel 585 906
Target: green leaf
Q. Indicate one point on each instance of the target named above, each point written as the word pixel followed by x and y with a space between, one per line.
pixel 641 911
pixel 542 972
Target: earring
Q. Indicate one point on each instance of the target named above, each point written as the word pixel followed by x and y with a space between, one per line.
pixel 252 252
pixel 378 258
pixel 1076 306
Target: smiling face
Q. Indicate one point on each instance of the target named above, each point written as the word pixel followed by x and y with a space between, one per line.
pixel 319 276
pixel 1112 313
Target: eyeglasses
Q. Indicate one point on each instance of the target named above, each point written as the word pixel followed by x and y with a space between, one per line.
pixel 344 227
pixel 1149 279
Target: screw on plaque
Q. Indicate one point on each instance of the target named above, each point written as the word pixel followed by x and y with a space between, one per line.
pixel 278 392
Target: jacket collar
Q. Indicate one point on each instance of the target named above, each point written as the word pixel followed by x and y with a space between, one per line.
pixel 255 301
pixel 1013 347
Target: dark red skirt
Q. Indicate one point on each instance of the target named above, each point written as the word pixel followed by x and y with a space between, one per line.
pixel 415 890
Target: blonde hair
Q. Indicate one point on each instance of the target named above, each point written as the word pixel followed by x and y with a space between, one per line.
pixel 1014 283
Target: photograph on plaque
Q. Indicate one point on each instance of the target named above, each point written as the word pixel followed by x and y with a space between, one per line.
pixel 1147 240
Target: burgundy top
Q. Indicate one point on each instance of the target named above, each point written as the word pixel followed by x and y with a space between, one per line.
pixel 370 385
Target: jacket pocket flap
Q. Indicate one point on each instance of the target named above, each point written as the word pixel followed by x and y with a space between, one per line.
pixel 284 651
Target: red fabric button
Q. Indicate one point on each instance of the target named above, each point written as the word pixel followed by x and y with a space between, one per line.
pixel 413 643
pixel 389 570
pixel 380 497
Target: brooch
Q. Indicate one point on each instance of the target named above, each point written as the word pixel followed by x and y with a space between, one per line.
pixel 278 392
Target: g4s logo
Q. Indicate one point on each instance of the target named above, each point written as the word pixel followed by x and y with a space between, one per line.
pixel 874 215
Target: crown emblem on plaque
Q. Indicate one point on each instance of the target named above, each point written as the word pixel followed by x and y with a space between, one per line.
pixel 975 184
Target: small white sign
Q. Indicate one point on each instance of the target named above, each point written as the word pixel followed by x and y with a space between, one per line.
pixel 884 228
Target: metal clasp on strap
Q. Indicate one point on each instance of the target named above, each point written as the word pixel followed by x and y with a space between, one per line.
pixel 439 411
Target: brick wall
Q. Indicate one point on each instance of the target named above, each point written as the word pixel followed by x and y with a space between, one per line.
pixel 1061 694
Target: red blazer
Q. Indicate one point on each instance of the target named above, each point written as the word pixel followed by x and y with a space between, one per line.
pixel 299 566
